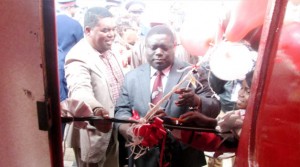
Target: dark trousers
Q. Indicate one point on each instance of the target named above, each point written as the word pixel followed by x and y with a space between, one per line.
pixel 175 153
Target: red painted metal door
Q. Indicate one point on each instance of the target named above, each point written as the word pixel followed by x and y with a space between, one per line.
pixel 28 75
pixel 271 131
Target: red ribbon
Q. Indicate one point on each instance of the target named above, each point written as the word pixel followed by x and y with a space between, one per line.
pixel 151 133
pixel 195 66
pixel 135 115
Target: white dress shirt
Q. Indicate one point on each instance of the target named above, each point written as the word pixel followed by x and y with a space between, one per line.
pixel 164 77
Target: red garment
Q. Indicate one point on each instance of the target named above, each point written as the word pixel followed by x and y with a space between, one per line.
pixel 157 91
pixel 204 141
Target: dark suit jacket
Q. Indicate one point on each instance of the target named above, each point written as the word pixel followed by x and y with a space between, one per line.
pixel 69 32
pixel 135 94
pixel 63 90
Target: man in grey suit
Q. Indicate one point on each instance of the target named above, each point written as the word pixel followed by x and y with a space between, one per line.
pixel 136 95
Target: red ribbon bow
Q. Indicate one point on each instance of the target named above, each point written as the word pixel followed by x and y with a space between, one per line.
pixel 151 133
pixel 135 115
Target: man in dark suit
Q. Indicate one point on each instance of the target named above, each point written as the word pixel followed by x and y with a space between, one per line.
pixel 69 30
pixel 137 88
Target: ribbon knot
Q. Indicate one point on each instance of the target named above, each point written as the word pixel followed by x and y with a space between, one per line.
pixel 151 133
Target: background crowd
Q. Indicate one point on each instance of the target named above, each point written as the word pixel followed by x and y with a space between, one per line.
pixel 106 48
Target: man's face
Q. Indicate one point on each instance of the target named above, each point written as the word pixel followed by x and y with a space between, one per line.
pixel 130 36
pixel 102 35
pixel 243 97
pixel 159 51
pixel 73 10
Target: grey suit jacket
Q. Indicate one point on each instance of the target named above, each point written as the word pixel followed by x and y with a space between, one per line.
pixel 135 94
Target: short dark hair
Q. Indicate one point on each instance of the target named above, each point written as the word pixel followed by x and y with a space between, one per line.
pixel 249 77
pixel 161 29
pixel 92 16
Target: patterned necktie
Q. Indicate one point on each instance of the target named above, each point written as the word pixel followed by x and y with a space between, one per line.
pixel 157 91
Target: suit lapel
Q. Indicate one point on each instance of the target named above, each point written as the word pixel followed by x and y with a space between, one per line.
pixel 98 66
pixel 144 79
pixel 94 60
pixel 173 79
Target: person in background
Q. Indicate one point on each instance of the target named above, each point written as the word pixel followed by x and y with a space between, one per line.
pixel 176 17
pixel 114 6
pixel 139 83
pixel 231 121
pixel 228 90
pixel 63 91
pixel 69 32
pixel 126 37
pixel 136 9
pixel 94 76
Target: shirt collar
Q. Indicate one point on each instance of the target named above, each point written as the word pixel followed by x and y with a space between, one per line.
pixel 166 71
pixel 106 54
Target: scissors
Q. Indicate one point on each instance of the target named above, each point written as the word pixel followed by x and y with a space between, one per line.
pixel 94 118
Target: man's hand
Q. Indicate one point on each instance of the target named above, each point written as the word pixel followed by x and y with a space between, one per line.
pixel 123 131
pixel 102 125
pixel 159 113
pixel 187 97
pixel 198 119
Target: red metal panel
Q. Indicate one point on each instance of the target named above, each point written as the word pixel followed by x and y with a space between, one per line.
pixel 271 131
pixel 22 85
pixel 51 81
pixel 278 123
